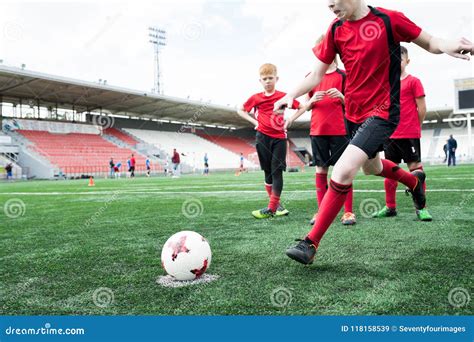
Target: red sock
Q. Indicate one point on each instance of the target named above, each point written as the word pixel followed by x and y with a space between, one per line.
pixel 348 203
pixel 321 186
pixel 268 187
pixel 330 206
pixel 390 193
pixel 424 183
pixel 393 171
pixel 274 201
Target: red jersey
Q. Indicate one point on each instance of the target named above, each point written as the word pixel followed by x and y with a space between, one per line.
pixel 370 50
pixel 409 126
pixel 175 159
pixel 327 115
pixel 132 162
pixel 269 122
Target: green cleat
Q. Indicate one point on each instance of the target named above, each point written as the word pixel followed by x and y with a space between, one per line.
pixel 282 211
pixel 424 215
pixel 262 213
pixel 385 212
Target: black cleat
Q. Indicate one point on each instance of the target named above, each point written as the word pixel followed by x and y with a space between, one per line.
pixel 303 252
pixel 418 194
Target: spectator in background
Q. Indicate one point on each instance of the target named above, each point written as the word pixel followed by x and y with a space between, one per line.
pixel 8 170
pixel 117 170
pixel 148 166
pixel 206 165
pixel 112 165
pixel 445 149
pixel 176 161
pixel 452 147
pixel 129 168
pixel 132 166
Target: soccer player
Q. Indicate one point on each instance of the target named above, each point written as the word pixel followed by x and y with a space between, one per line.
pixel 452 147
pixel 132 166
pixel 206 165
pixel 368 41
pixel 176 160
pixel 148 166
pixel 328 131
pixel 405 141
pixel 128 167
pixel 271 143
pixel 111 165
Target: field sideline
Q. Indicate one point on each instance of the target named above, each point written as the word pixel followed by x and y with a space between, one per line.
pixel 62 241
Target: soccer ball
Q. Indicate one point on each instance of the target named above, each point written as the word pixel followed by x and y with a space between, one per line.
pixel 186 255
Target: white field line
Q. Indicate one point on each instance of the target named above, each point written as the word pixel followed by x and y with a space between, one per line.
pixel 234 192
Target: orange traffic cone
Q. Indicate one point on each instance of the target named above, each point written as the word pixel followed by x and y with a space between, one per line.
pixel 91 181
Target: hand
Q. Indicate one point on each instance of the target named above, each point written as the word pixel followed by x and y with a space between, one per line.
pixel 334 93
pixel 457 48
pixel 318 96
pixel 283 103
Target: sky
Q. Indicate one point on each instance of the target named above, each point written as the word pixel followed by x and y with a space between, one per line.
pixel 214 48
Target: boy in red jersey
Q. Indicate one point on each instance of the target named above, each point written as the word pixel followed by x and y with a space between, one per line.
pixel 368 41
pixel 271 143
pixel 328 131
pixel 404 144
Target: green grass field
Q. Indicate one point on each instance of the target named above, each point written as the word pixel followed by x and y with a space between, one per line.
pixel 60 241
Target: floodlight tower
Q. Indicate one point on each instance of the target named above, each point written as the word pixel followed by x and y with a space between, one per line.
pixel 157 37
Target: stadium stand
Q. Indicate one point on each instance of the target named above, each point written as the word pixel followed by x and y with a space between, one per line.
pixel 79 153
pixel 192 146
pixel 124 137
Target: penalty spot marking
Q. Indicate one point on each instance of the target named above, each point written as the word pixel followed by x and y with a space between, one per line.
pixel 169 281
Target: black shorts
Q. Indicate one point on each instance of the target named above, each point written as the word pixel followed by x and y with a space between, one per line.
pixel 327 149
pixel 407 150
pixel 370 135
pixel 271 152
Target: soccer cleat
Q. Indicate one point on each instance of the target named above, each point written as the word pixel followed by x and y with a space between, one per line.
pixel 348 219
pixel 424 215
pixel 303 252
pixel 262 213
pixel 282 211
pixel 313 220
pixel 385 212
pixel 418 194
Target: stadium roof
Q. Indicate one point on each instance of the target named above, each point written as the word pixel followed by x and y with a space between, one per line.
pixel 32 88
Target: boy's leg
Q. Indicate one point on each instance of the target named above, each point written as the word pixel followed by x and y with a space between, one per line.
pixel 367 141
pixel 268 182
pixel 278 165
pixel 264 152
pixel 321 181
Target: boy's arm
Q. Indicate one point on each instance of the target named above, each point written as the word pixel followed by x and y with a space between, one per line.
pixel 246 116
pixel 455 48
pixel 308 83
pixel 295 116
pixel 421 105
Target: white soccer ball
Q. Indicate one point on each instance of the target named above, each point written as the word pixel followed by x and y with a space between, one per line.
pixel 186 255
